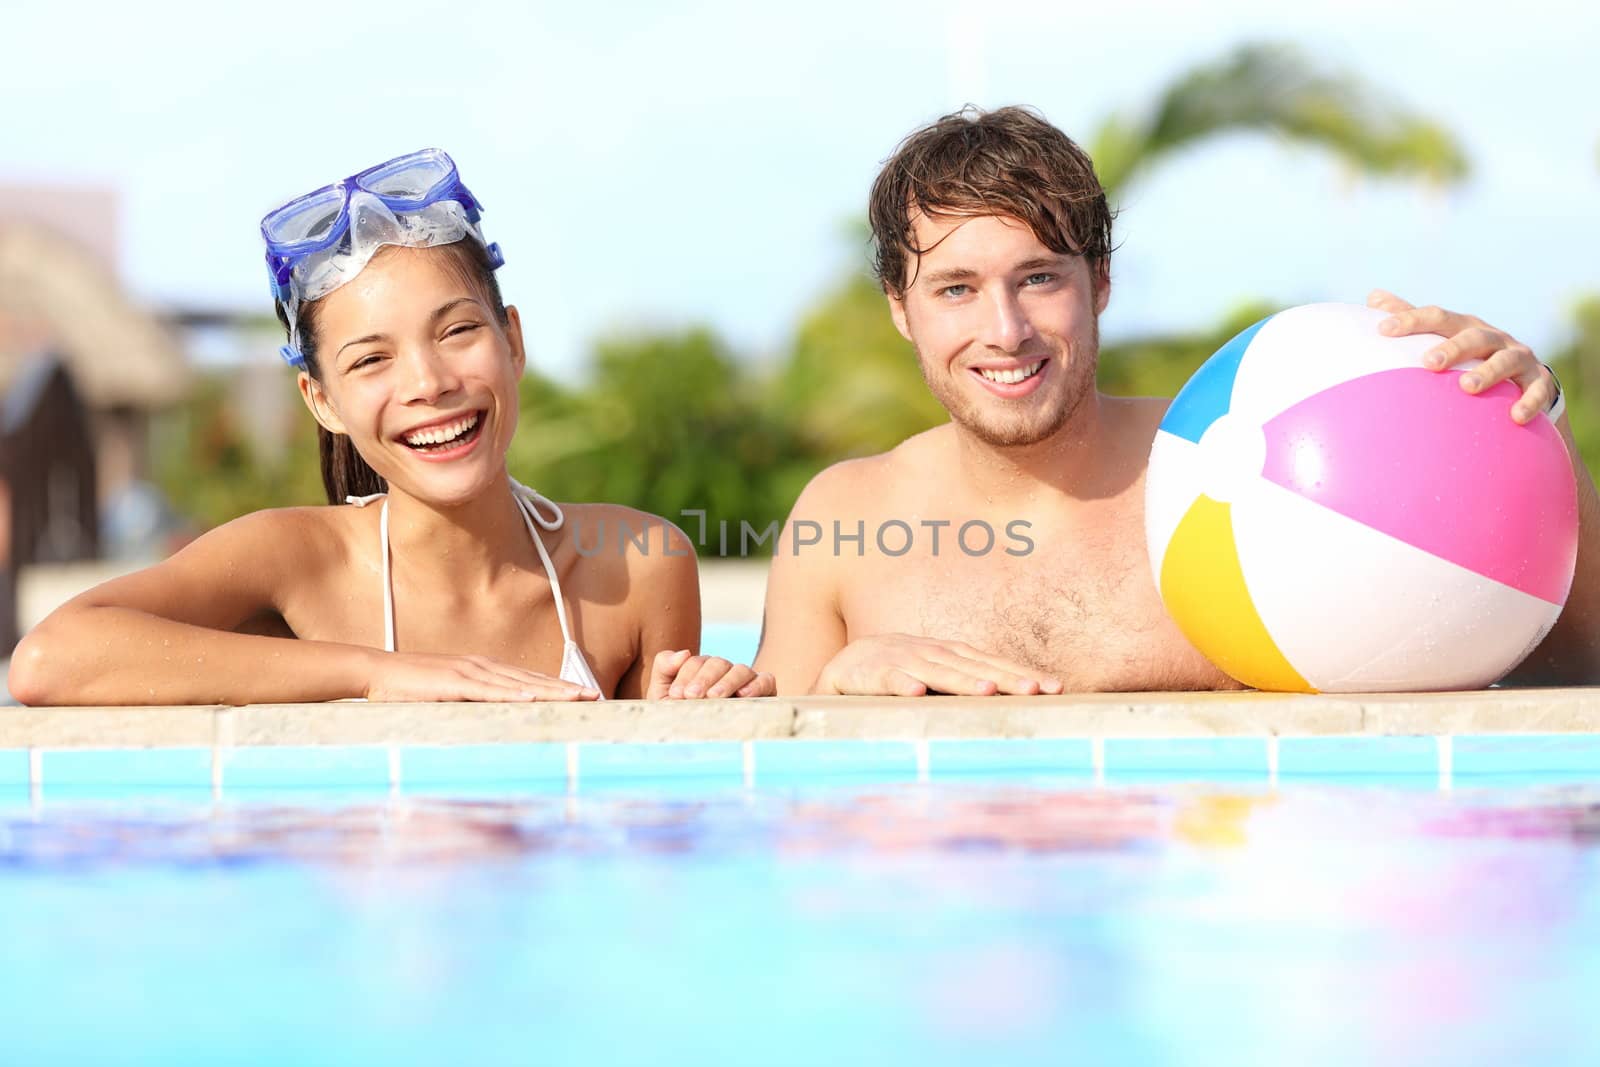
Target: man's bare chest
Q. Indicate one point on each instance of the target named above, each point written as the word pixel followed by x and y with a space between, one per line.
pixel 1083 608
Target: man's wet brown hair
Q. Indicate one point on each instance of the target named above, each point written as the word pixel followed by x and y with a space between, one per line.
pixel 1008 162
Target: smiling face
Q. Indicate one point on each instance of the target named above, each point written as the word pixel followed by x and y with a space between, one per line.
pixel 1005 329
pixel 416 369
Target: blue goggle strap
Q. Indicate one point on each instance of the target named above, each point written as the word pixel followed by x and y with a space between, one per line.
pixel 283 293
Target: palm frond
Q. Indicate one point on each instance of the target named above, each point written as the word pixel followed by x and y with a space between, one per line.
pixel 1273 88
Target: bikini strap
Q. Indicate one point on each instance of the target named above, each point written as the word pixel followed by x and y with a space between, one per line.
pixel 383 543
pixel 388 582
pixel 530 514
pixel 528 502
pixel 533 499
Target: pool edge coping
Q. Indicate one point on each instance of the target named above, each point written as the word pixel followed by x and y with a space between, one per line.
pixel 1099 715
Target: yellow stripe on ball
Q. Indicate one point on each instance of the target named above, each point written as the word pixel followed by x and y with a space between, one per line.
pixel 1203 587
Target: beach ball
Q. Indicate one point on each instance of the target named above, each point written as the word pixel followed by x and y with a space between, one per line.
pixel 1324 514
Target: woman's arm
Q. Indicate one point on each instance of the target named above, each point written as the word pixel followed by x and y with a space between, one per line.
pixel 164 635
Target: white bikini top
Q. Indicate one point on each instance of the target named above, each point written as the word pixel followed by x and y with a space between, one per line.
pixel 574 668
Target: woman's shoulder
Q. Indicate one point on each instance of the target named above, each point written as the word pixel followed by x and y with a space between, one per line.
pixel 306 537
pixel 315 520
pixel 625 545
pixel 625 533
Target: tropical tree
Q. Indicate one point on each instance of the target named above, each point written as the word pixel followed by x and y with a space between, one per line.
pixel 669 422
pixel 1578 364
pixel 851 381
pixel 674 421
pixel 210 469
pixel 1272 88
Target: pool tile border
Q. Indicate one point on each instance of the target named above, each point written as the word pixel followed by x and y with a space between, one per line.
pixel 545 767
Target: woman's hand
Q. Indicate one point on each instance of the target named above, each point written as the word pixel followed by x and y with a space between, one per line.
pixel 414 677
pixel 679 675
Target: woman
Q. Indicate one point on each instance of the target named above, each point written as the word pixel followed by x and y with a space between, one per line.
pixel 443 579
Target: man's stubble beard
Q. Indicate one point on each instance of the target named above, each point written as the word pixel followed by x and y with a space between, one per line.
pixel 1077 365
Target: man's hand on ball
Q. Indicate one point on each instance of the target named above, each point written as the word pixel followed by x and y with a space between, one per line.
pixel 1468 338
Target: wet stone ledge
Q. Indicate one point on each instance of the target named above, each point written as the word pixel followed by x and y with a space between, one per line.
pixel 1104 715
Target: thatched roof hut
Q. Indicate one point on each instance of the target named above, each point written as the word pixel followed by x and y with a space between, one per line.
pixel 60 297
pixel 57 295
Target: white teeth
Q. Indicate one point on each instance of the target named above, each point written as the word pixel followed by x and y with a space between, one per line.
pixel 1012 377
pixel 438 435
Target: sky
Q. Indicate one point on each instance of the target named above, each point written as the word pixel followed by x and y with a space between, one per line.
pixel 655 165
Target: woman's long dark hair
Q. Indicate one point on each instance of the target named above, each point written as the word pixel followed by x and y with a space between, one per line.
pixel 344 472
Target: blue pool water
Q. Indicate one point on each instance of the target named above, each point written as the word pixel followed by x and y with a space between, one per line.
pixel 732 641
pixel 807 903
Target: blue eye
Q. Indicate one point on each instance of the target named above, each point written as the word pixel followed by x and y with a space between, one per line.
pixel 1040 279
pixel 955 290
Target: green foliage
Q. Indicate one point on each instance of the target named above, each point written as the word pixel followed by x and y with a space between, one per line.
pixel 852 383
pixel 1578 364
pixel 673 421
pixel 1158 366
pixel 670 422
pixel 205 463
pixel 1271 88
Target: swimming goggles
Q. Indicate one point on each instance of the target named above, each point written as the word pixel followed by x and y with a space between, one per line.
pixel 320 241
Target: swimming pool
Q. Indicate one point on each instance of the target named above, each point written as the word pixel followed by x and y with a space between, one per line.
pixel 730 640
pixel 740 899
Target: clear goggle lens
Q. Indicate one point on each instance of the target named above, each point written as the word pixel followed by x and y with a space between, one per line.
pixel 410 181
pixel 311 218
pixel 404 184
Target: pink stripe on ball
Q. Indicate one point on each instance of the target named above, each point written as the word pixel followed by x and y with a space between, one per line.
pixel 1410 454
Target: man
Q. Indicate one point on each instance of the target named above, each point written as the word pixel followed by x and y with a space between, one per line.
pixel 993 241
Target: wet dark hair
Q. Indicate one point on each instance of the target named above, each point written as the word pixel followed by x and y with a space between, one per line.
pixel 344 472
pixel 1010 162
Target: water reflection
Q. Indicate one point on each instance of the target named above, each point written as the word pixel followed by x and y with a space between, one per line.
pixel 904 819
pixel 933 924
